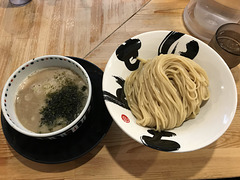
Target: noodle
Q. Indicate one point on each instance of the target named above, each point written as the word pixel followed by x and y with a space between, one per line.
pixel 165 91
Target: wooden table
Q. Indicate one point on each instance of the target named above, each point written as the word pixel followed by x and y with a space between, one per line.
pixel 93 29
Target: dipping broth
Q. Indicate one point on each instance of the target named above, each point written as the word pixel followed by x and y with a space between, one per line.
pixel 50 99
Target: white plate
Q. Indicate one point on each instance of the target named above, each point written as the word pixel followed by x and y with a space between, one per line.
pixel 214 117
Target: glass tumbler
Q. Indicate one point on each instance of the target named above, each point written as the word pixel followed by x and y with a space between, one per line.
pixel 226 42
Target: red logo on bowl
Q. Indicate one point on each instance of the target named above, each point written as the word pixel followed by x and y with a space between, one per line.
pixel 125 118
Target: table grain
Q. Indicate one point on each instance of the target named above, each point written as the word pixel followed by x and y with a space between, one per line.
pixel 93 30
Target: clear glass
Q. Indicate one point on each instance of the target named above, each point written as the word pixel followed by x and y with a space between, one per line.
pixel 203 17
pixel 19 2
pixel 226 42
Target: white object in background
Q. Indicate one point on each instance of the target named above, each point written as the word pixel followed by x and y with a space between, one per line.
pixel 19 2
pixel 203 17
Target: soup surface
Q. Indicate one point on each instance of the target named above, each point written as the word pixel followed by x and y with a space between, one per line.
pixel 50 99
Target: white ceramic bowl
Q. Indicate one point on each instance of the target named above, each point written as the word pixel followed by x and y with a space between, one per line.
pixel 214 117
pixel 10 90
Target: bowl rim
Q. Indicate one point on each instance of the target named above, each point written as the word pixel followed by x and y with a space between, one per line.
pixel 231 116
pixel 62 130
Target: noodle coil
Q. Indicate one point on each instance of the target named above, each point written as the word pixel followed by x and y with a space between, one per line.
pixel 166 90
